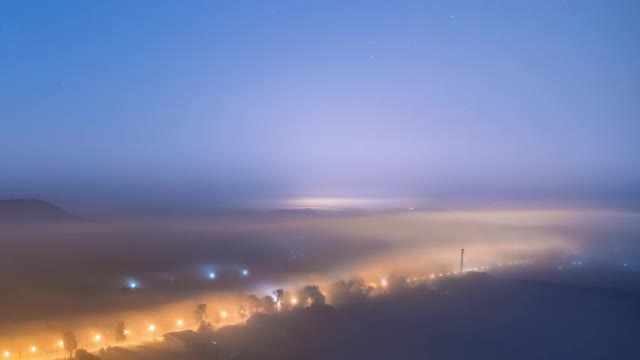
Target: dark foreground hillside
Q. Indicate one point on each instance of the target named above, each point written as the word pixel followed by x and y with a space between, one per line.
pixel 475 318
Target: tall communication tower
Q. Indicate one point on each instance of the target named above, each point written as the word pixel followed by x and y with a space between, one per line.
pixel 461 261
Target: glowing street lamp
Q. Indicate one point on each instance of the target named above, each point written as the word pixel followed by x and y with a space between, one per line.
pixel 133 285
pixel 98 337
pixel 294 301
pixel 180 323
pixel 153 328
pixel 126 332
pixel 60 345
pixel 245 272
pixel 34 349
pixel 7 354
pixel 224 314
pixel 212 275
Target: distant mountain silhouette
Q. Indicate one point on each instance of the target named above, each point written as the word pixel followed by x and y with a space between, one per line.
pixel 24 210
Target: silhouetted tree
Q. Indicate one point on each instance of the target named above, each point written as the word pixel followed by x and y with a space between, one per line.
pixel 278 293
pixel 120 333
pixel 204 327
pixel 268 305
pixel 70 343
pixel 349 292
pixel 200 316
pixel 200 313
pixel 311 295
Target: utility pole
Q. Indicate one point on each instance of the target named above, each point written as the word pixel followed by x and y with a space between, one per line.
pixel 462 261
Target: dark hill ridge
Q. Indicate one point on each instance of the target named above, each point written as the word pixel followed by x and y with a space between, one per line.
pixel 21 210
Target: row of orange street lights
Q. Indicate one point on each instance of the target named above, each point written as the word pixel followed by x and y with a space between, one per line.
pixel 152 328
pixel 33 351
pixel 383 282
pixel 98 337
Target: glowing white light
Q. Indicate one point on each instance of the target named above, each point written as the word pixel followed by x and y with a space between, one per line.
pixel 180 322
pixel 126 332
pixel 383 282
pixel 34 349
pixel 294 301
pixel 6 354
pixel 133 285
pixel 152 327
pixel 212 275
pixel 223 314
pixel 61 343
pixel 245 272
pixel 98 337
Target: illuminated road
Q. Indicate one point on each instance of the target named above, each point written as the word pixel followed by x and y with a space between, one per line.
pixel 143 335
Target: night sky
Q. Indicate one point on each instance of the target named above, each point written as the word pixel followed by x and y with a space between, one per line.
pixel 173 103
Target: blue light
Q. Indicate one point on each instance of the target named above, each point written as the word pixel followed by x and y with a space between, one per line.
pixel 133 285
pixel 212 275
pixel 245 272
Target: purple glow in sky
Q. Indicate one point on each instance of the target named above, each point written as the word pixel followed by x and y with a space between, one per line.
pixel 204 104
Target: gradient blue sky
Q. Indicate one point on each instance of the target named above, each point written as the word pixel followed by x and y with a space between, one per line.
pixel 208 103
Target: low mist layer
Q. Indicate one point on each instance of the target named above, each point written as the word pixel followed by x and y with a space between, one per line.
pixel 81 275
